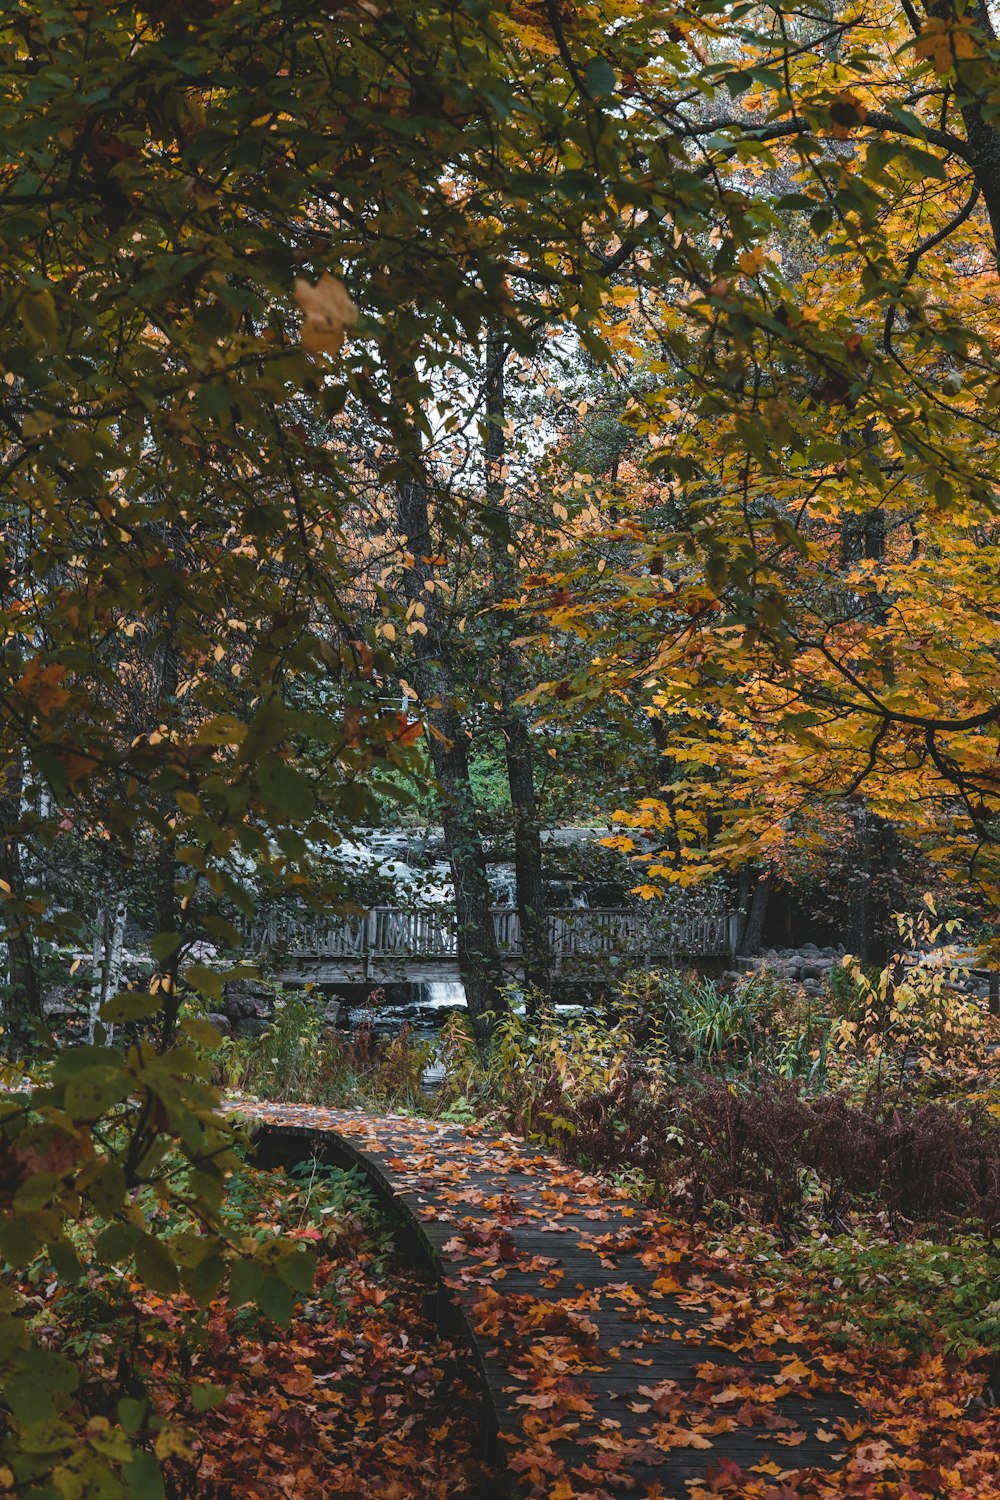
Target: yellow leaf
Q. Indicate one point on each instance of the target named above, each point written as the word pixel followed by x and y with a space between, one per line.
pixel 171 1442
pixel 941 43
pixel 328 311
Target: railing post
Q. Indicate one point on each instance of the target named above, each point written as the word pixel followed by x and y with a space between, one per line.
pixel 368 942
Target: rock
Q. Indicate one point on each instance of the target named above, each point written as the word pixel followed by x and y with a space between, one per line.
pixel 331 1013
pixel 250 1026
pixel 63 1000
pixel 202 953
pixel 222 1023
pixel 243 998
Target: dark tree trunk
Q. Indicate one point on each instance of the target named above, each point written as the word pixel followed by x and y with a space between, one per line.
pixel 981 132
pixel 529 883
pixel 478 958
pixel 23 1019
pixel 754 933
pixel 861 903
pixel 518 747
pixel 743 891
pixel 165 887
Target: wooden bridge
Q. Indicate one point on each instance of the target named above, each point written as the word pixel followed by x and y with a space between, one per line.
pixel 613 1350
pixel 387 942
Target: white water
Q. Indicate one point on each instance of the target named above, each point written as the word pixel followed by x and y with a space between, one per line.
pixel 437 993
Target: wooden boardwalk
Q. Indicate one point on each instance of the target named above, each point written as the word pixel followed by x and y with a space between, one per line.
pixel 387 942
pixel 616 1359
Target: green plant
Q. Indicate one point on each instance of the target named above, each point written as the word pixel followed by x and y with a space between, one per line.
pixel 720 1022
pixel 918 1293
pixel 286 1060
pixel 650 1004
pixel 911 1023
pixel 300 1058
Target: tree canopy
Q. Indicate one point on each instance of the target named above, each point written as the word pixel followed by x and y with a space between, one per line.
pixel 279 284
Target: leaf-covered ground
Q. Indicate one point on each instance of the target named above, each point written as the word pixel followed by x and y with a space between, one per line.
pixel 359 1396
pixel 627 1356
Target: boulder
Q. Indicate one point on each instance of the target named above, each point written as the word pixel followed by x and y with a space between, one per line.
pixel 243 998
pixel 250 1026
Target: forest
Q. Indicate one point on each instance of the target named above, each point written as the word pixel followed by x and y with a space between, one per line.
pixel 499 749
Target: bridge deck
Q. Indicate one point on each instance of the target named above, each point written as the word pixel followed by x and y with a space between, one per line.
pixel 609 1353
pixel 578 940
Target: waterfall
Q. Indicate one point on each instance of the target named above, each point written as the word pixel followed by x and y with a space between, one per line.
pixel 437 993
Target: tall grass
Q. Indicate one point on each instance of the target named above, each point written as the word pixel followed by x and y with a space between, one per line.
pixel 300 1058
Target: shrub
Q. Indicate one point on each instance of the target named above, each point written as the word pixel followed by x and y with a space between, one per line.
pixel 909 1026
pixel 918 1293
pixel 300 1058
pixel 758 1028
pixel 773 1151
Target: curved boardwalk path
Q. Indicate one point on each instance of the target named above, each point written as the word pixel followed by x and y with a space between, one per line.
pixel 616 1360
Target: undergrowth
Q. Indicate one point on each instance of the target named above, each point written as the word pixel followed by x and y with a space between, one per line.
pixel 300 1057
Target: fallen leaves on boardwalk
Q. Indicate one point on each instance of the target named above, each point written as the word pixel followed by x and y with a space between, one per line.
pixel 622 1359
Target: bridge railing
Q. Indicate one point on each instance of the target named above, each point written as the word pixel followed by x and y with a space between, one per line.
pixel 388 932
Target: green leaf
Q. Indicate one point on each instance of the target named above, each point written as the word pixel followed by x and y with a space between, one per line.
pixel 204 1396
pixel 64 1261
pixel 202 1032
pixel 245 1282
pixel 202 1281
pixel 205 980
pixel 132 1413
pixel 285 788
pixel 155 1265
pixel 133 1005
pixel 298 1269
pixel 106 1189
pixel 90 1096
pixel 37 311
pixel 601 78
pixel 276 1300
pixel 165 945
pixel 116 1243
pixel 144 1477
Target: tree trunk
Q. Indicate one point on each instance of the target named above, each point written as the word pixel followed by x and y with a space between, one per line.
pixel 478 958
pixel 518 747
pixel 530 886
pixel 109 941
pixel 23 1019
pixel 754 933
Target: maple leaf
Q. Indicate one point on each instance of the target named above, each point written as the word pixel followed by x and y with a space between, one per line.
pixel 328 313
pixel 42 686
pixel 942 42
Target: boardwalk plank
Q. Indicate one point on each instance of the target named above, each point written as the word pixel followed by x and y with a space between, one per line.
pixel 594 1358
